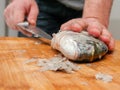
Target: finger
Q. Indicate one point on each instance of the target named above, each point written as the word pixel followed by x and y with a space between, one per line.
pixel 95 29
pixel 76 25
pixel 66 26
pixel 24 32
pixel 10 25
pixel 32 17
pixel 79 25
pixel 7 16
pixel 18 16
pixel 105 36
pixel 111 45
pixel 13 16
pixel 72 26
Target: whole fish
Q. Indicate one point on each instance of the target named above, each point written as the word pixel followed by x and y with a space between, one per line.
pixel 79 46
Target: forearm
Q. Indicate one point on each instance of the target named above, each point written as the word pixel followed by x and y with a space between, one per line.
pixel 99 9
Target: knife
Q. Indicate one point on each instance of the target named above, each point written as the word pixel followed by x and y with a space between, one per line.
pixel 37 32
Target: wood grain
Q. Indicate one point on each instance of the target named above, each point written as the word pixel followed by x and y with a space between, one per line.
pixel 15 75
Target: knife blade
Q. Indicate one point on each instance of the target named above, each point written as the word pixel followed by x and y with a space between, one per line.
pixel 37 32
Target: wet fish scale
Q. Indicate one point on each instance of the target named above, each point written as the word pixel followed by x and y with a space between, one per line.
pixel 79 46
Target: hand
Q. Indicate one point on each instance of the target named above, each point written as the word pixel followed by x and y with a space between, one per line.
pixel 16 12
pixel 94 28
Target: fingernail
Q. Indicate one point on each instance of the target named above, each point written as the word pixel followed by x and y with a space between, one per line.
pixel 65 28
pixel 32 22
pixel 29 35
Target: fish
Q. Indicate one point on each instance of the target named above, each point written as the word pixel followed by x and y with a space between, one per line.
pixel 79 46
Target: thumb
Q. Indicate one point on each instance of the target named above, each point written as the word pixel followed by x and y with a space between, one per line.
pixel 33 13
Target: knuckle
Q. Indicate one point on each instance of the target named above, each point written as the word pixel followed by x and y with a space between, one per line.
pixel 5 13
pixel 37 11
pixel 62 26
pixel 12 27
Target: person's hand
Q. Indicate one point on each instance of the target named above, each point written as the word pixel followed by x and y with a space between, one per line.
pixel 18 10
pixel 94 28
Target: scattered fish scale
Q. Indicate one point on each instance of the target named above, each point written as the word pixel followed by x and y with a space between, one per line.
pixel 103 77
pixel 61 63
pixel 58 63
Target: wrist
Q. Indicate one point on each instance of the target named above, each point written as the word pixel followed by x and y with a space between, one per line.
pixel 98 9
pixel 97 19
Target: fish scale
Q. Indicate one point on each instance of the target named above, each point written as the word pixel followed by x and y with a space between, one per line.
pixel 79 46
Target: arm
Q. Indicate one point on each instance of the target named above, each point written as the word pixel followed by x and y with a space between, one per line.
pixel 99 9
pixel 95 20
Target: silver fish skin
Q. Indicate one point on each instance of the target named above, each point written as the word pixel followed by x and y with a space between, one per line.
pixel 79 46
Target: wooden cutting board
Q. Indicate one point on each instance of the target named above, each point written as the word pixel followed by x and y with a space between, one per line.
pixel 16 75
